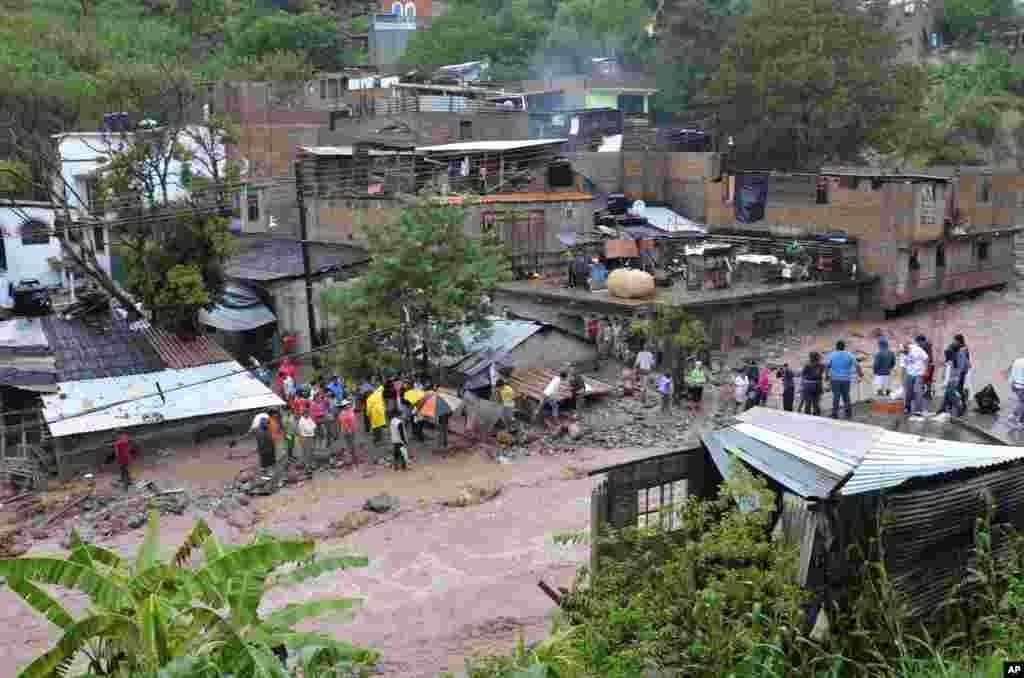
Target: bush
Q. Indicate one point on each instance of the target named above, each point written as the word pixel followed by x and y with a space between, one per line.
pixel 151 618
pixel 719 598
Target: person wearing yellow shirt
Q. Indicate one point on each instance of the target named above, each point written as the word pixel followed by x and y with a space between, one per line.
pixel 507 397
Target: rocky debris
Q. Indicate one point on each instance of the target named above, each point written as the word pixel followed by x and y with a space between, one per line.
pixel 473 495
pixel 382 503
pixel 349 523
pixel 572 472
pixel 505 439
pixel 14 544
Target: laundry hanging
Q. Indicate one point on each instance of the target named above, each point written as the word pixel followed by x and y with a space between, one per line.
pixel 751 197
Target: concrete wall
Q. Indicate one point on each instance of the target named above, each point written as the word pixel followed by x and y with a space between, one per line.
pixel 734 325
pixel 677 179
pixel 270 150
pixel 87 452
pixel 27 261
pixel 513 221
pixel 341 220
pixel 288 299
pixel 432 128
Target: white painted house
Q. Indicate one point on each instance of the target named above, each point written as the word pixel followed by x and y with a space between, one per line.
pixel 83 154
pixel 28 251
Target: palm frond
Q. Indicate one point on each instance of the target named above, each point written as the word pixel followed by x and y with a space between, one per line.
pixel 319 567
pixel 290 615
pixel 101 590
pixel 245 596
pixel 167 578
pixel 71 643
pixel 154 631
pixel 41 602
pixel 256 557
pixel 90 554
pixel 149 550
pixel 196 538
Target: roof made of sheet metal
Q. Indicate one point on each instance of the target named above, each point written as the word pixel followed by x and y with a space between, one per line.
pixel 180 352
pixel 530 382
pixel 812 455
pixel 219 388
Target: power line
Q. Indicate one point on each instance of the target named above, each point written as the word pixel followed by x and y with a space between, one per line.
pixel 380 334
pixel 94 410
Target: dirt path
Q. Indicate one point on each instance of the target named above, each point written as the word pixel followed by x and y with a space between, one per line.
pixel 441 583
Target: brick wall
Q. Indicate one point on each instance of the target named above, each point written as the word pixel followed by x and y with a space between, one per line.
pixel 272 149
pixel 340 220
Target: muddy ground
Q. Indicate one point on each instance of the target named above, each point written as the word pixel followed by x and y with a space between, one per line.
pixel 442 583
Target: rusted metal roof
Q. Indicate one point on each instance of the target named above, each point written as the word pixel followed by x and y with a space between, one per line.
pixel 531 383
pixel 178 353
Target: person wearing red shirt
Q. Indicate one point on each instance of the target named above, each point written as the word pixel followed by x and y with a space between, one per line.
pixel 347 423
pixel 123 454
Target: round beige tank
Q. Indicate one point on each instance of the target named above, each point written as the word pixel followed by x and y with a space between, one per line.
pixel 630 283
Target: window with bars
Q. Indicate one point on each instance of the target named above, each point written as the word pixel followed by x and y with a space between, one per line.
pixel 651 501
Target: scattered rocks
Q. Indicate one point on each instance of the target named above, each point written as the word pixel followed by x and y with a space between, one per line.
pixel 349 523
pixel 382 503
pixel 473 494
pixel 13 544
pixel 572 472
pixel 243 519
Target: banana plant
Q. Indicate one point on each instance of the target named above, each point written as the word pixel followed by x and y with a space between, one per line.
pixel 154 619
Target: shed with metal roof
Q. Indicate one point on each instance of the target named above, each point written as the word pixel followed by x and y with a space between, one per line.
pixel 834 479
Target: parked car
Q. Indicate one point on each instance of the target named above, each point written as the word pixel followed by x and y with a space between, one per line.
pixel 31 298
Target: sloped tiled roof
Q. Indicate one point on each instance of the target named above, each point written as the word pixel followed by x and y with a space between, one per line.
pixel 108 349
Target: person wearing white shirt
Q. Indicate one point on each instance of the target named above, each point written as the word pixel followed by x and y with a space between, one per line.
pixel 1016 376
pixel 398 440
pixel 645 363
pixel 307 432
pixel 551 395
pixel 915 365
pixel 740 386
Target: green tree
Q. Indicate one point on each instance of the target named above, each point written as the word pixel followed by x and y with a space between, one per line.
pixel 251 36
pixel 151 618
pixel 822 79
pixel 169 188
pixel 425 281
pixel 604 28
pixel 15 179
pixel 509 38
pixel 962 16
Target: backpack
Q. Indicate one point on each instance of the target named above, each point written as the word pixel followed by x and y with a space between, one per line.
pixel 988 400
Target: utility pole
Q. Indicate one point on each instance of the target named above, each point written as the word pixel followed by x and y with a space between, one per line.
pixel 299 190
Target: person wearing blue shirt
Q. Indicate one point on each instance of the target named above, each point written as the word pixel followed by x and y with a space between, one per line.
pixel 841 365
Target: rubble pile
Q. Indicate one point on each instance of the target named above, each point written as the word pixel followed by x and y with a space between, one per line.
pixel 473 494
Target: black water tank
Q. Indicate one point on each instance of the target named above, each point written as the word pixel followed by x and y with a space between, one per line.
pixel 560 174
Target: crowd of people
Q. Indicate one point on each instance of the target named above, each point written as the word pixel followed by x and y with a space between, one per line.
pixel 324 416
pixel 840 370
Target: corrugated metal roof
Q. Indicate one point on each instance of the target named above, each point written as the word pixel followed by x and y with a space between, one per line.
pixel 664 218
pixel 504 336
pixel 481 146
pixel 898 457
pixel 178 353
pixel 532 382
pixel 231 319
pixel 23 334
pixel 803 477
pixel 878 459
pixel 232 390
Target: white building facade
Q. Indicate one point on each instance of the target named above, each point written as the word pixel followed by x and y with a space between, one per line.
pixel 28 250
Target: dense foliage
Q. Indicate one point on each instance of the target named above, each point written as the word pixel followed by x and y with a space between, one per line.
pixel 534 38
pixel 718 597
pixel 150 617
pixel 425 281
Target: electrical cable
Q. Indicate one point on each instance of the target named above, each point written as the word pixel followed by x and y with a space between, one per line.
pixel 305 354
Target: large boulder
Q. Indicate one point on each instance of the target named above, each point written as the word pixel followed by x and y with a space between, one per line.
pixel 630 283
pixel 382 503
